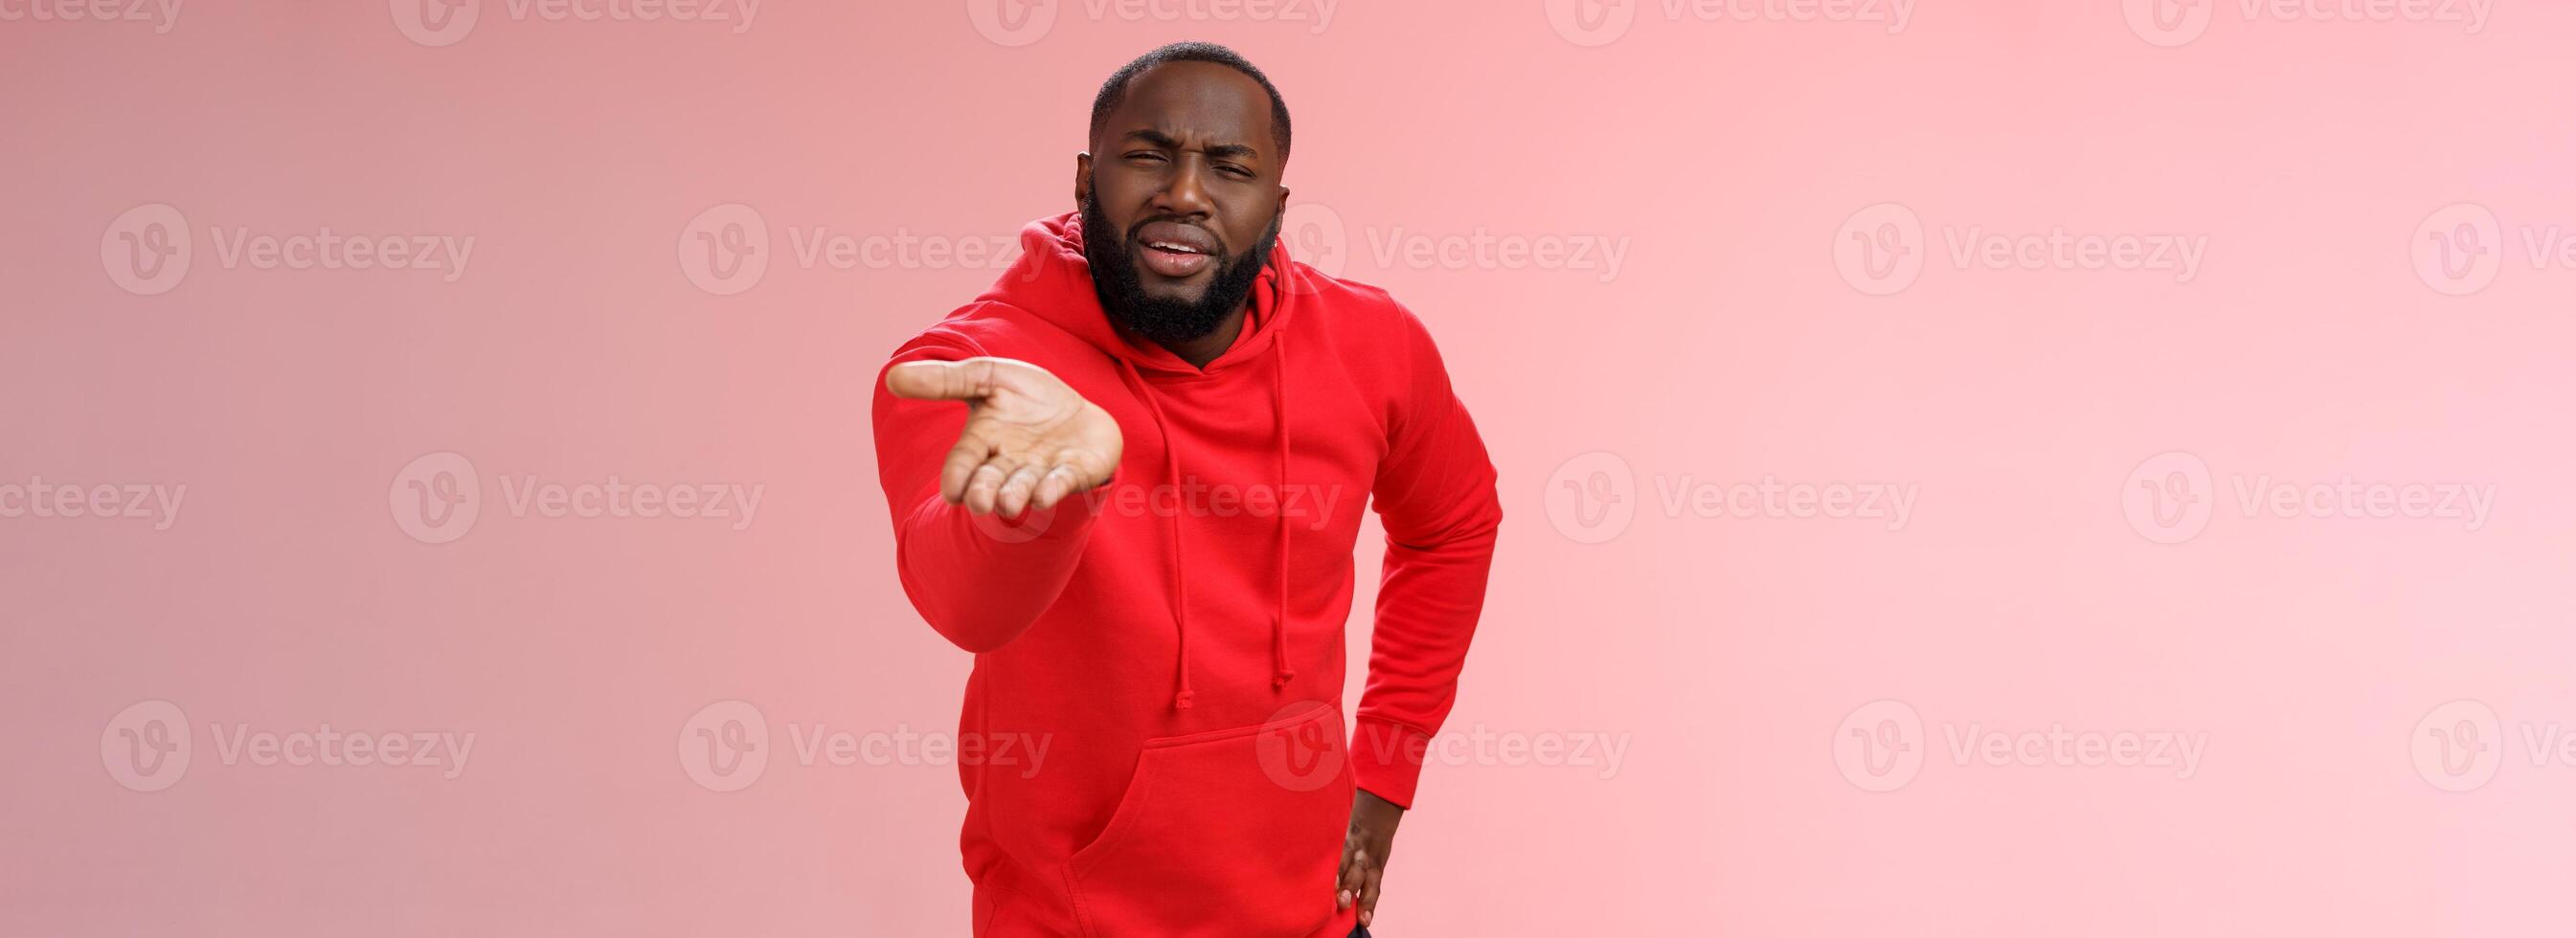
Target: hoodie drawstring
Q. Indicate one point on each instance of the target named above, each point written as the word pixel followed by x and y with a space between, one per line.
pixel 1181 692
pixel 1281 673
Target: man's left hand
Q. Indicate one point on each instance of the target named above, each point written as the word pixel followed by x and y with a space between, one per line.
pixel 1364 850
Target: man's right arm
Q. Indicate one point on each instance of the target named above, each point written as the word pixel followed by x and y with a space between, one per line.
pixel 960 446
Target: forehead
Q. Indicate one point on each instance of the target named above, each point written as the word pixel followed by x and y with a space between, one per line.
pixel 1196 102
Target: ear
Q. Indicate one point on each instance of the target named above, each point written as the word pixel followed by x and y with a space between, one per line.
pixel 1283 201
pixel 1081 179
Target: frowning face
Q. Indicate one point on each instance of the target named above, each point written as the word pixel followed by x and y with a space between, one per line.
pixel 1181 199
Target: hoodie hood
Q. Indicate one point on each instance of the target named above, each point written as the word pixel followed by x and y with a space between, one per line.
pixel 1052 280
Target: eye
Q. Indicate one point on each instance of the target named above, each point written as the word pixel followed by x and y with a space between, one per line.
pixel 1145 156
pixel 1235 171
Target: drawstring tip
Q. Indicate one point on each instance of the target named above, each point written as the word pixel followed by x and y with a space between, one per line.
pixel 1282 678
pixel 1181 701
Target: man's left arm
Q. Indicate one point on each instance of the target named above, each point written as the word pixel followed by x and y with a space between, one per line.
pixel 1435 496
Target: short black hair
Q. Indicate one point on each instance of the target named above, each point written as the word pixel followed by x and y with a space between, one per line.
pixel 1114 91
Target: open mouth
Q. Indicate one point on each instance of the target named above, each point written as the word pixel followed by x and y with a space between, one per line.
pixel 1174 250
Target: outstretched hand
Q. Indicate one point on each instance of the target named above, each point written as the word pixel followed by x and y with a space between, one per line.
pixel 1029 442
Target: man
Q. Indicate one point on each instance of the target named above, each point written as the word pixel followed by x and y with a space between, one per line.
pixel 1141 523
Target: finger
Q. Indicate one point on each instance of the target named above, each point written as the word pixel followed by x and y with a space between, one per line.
pixel 971 451
pixel 986 484
pixel 1055 485
pixel 1016 489
pixel 1354 877
pixel 1368 892
pixel 942 381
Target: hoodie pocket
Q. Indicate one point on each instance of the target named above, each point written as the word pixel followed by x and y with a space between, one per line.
pixel 1234 832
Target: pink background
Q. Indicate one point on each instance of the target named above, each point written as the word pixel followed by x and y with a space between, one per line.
pixel 2316 341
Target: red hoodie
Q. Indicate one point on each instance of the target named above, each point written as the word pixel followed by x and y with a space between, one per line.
pixel 1171 642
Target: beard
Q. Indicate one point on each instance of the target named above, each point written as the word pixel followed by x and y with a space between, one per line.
pixel 1164 320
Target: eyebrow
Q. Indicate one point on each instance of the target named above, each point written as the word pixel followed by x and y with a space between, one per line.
pixel 1164 140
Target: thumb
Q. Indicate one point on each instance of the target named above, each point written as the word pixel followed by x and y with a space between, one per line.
pixel 942 381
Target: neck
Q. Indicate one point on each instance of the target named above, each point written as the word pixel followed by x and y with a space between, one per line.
pixel 1204 349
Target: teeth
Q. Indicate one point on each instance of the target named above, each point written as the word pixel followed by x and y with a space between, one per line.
pixel 1169 246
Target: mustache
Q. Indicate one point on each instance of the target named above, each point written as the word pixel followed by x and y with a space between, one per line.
pixel 1135 232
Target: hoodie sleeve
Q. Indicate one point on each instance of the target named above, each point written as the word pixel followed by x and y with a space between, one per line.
pixel 979 581
pixel 1435 496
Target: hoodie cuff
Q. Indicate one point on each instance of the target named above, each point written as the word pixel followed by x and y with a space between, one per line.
pixel 1386 759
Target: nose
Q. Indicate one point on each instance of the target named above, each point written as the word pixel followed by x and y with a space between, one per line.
pixel 1184 192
